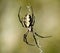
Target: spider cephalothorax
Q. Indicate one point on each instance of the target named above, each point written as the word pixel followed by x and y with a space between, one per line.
pixel 28 22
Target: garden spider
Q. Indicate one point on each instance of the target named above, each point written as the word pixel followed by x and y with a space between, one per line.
pixel 28 22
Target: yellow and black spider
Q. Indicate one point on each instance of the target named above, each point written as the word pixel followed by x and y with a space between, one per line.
pixel 28 22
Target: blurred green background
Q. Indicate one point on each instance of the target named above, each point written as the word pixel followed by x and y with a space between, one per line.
pixel 47 16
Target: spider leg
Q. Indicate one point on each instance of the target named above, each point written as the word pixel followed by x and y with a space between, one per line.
pixel 25 39
pixel 33 19
pixel 33 16
pixel 42 36
pixel 35 40
pixel 19 17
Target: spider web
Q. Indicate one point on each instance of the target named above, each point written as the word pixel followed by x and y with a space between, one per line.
pixel 40 48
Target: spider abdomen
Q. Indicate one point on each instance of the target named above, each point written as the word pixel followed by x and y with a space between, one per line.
pixel 28 21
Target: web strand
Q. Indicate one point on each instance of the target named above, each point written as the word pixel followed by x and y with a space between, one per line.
pixel 40 48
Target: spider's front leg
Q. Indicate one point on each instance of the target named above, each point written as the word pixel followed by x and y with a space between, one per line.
pixel 25 38
pixel 42 36
pixel 34 33
pixel 35 40
pixel 19 17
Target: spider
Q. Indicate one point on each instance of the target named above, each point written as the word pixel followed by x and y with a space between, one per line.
pixel 28 22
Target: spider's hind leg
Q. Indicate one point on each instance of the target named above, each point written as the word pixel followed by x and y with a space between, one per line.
pixel 20 20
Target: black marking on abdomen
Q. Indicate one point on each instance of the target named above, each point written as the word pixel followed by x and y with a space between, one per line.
pixel 26 22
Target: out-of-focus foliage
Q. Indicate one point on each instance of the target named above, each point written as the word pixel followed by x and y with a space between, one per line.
pixel 47 22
